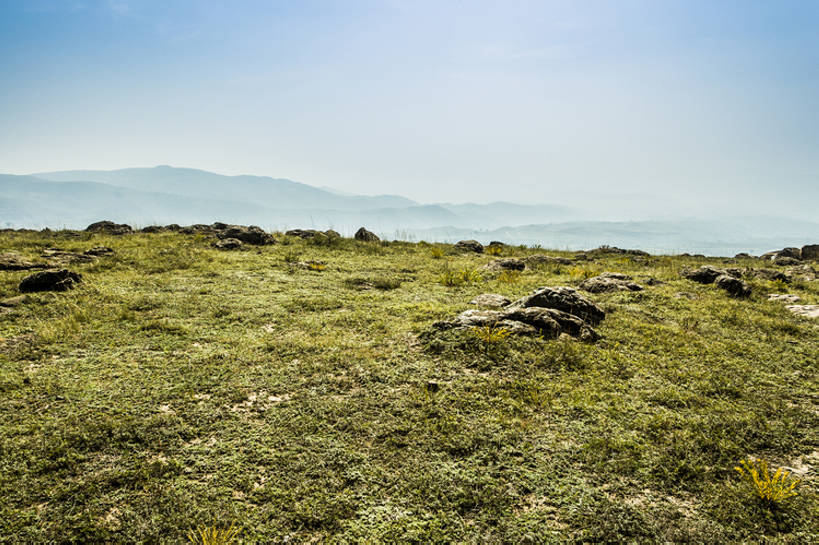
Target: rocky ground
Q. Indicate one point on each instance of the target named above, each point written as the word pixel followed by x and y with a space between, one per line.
pixel 311 388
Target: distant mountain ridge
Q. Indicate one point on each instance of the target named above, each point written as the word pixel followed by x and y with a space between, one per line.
pixel 163 195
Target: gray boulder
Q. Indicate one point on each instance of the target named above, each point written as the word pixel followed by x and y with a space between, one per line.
pixel 50 280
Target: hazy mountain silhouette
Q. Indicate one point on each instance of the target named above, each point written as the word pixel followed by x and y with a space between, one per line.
pixel 162 195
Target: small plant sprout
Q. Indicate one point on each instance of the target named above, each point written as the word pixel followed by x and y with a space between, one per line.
pixel 490 333
pixel 771 489
pixel 210 535
pixel 317 266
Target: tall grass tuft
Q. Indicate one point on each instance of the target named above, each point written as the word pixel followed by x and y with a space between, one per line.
pixel 771 489
pixel 211 535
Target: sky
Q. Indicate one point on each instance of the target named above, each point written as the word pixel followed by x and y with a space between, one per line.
pixel 443 101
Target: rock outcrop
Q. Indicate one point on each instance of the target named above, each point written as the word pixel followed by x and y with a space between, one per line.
pixel 548 311
pixel 109 228
pixel 250 234
pixel 228 244
pixel 810 252
pixel 505 264
pixel 610 281
pixel 808 311
pixel 707 274
pixel 366 236
pixel 490 300
pixel 50 280
pixel 543 259
pixel 469 246
pixel 13 262
pixel 734 286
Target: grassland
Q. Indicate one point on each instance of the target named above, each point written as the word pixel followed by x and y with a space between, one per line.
pixel 180 386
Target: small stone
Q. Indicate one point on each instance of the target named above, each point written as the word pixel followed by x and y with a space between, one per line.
pixel 784 297
pixel 808 311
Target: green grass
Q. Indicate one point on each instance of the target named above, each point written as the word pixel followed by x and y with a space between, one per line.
pixel 180 386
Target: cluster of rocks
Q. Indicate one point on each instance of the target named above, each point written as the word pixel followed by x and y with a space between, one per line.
pixel 54 277
pixel 808 311
pixel 532 261
pixel 793 256
pixel 549 311
pixel 729 280
pixel 312 234
pixel 608 250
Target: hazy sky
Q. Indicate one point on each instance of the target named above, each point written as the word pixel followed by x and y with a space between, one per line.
pixel 438 101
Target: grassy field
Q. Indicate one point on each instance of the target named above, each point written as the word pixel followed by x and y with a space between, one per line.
pixel 180 386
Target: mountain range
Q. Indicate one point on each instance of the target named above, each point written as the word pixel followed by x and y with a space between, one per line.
pixel 164 194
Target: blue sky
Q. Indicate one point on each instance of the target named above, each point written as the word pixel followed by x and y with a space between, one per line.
pixel 439 101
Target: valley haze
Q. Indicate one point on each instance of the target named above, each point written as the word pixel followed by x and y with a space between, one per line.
pixel 164 194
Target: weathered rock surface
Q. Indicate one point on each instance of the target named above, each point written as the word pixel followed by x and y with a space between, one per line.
pixel 808 311
pixel 802 272
pixel 810 252
pixel 109 228
pixel 707 274
pixel 12 302
pixel 505 264
pixel 228 244
pixel 490 300
pixel 13 262
pixel 58 256
pixel 303 233
pixel 366 236
pixel 734 286
pixel 770 274
pixel 543 259
pixel 784 297
pixel 609 281
pixel 786 260
pixel 50 280
pixel 469 246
